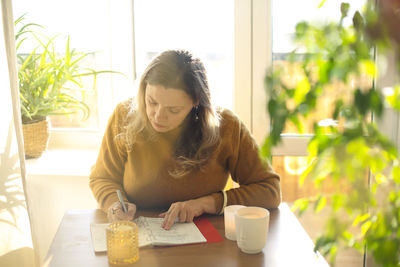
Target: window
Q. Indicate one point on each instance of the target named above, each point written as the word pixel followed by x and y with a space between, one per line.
pixel 125 35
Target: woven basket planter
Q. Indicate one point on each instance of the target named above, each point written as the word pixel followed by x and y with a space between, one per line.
pixel 36 137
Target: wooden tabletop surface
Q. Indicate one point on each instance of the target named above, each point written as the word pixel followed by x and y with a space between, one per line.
pixel 287 245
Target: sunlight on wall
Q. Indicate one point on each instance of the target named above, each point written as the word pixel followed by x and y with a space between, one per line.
pixel 16 247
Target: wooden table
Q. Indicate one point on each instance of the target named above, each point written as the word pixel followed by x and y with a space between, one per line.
pixel 287 245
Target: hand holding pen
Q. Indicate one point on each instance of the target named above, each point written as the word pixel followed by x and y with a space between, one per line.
pixel 121 210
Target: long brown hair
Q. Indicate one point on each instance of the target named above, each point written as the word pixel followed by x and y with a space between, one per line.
pixel 180 70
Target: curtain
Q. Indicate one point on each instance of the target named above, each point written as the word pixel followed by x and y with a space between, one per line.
pixel 16 246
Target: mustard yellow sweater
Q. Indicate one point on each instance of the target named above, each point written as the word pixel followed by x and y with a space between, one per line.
pixel 142 173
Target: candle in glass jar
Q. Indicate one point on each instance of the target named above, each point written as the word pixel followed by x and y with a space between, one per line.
pixel 229 219
pixel 122 243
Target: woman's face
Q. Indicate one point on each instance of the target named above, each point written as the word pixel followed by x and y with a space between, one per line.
pixel 166 108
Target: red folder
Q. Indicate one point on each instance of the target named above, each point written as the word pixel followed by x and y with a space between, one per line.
pixel 208 230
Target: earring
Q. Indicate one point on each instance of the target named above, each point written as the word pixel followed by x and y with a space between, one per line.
pixel 196 113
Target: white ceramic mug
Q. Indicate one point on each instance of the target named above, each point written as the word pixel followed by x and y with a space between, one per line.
pixel 251 229
pixel 229 219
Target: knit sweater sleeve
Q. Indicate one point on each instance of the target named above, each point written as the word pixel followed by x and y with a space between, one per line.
pixel 259 184
pixel 107 174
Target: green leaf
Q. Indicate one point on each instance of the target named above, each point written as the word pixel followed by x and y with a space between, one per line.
pixel 338 201
pixel 380 178
pixel 368 66
pixel 358 21
pixel 320 204
pixel 365 227
pixel 396 174
pixel 325 68
pixel 301 29
pixel 307 171
pixel 272 106
pixel 362 101
pixel 325 245
pixel 301 205
pixel 344 9
pixel 393 97
pixel 376 101
pixel 348 235
pixel 302 88
pixel 265 150
pixel 67 54
pixel 321 4
pixel 361 218
pixel 296 121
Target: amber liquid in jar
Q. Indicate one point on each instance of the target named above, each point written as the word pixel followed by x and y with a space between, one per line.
pixel 122 243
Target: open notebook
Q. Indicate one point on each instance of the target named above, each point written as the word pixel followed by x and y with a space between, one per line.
pixel 151 233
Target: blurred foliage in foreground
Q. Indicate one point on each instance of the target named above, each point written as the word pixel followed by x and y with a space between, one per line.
pixel 341 56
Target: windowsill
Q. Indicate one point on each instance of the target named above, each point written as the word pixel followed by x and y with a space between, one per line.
pixel 63 162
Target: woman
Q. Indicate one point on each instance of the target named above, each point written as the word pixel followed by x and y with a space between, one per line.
pixel 174 151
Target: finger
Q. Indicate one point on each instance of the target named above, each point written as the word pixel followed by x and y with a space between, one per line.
pixel 125 217
pixel 165 215
pixel 131 210
pixel 122 216
pixel 119 213
pixel 112 214
pixel 116 205
pixel 166 223
pixel 115 210
pixel 182 216
pixel 162 215
pixel 170 219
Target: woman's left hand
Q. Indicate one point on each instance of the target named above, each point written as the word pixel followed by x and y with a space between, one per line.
pixel 185 211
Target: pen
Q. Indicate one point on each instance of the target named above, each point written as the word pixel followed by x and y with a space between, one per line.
pixel 122 201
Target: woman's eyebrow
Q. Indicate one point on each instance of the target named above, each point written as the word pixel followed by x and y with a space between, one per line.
pixel 152 99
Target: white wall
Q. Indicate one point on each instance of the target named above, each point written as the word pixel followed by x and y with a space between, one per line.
pixel 57 181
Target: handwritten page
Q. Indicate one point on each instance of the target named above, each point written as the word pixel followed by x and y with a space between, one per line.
pixel 151 233
pixel 179 234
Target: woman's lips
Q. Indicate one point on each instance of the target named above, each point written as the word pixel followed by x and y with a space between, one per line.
pixel 158 125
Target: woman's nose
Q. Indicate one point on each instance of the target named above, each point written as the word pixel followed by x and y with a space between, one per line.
pixel 160 114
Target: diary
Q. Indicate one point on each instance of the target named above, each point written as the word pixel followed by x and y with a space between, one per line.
pixel 151 233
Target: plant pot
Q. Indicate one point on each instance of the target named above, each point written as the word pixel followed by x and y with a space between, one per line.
pixel 36 137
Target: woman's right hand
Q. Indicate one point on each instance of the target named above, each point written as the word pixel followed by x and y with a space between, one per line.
pixel 116 213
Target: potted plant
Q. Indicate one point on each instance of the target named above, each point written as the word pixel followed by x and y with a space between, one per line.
pixel 49 84
pixel 351 151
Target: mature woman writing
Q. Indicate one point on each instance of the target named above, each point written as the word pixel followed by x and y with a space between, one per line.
pixel 171 149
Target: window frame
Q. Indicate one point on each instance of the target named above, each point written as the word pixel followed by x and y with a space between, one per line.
pixel 253 57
